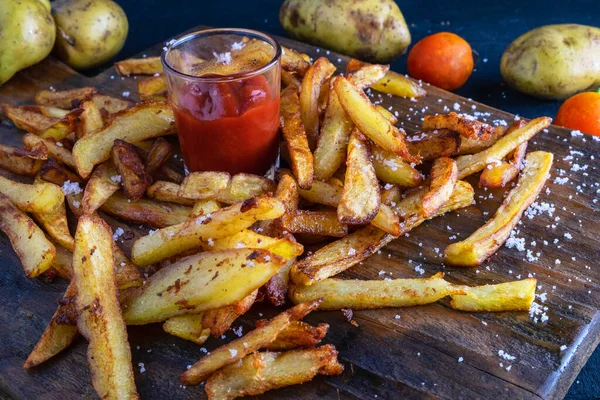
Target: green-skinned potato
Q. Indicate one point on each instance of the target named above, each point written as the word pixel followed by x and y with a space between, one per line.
pixel 27 35
pixel 553 61
pixel 371 30
pixel 90 32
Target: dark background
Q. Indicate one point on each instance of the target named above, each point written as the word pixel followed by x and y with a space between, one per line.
pixel 489 26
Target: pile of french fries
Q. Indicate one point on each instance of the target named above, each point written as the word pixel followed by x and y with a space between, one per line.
pixel 222 243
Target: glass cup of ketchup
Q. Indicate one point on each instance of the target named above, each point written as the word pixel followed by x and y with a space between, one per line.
pixel 224 91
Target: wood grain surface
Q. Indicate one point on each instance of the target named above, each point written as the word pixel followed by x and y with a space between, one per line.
pixel 393 353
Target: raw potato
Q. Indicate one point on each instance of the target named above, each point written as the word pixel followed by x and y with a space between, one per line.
pixel 90 32
pixel 371 30
pixel 553 61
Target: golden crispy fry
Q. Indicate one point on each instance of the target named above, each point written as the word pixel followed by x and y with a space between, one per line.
pixel 140 66
pixel 441 185
pixel 391 195
pixel 188 327
pixel 22 161
pixel 296 138
pixel 48 111
pixel 190 234
pixel 39 197
pixel 297 334
pixel 63 127
pixel 277 287
pixel 127 274
pixel 66 99
pixel 54 172
pixel 387 114
pixel 486 240
pixel 249 343
pixel 167 191
pixel 146 211
pixel 439 143
pixel 287 192
pixel 203 185
pixel 292 61
pixel 90 120
pixel 205 207
pixel 289 78
pixel 392 83
pixel 363 294
pixel 387 220
pixel 131 169
pixel 370 121
pixel 497 175
pixel 509 296
pixel 159 153
pixel 219 320
pixel 360 199
pixel 367 75
pixel 466 125
pixel 55 149
pixel 324 223
pixel 60 332
pixel 103 183
pixel 56 225
pixel 100 320
pixel 29 242
pixel 243 187
pixel 153 86
pixel 470 164
pixel 314 78
pixel 472 146
pixel 200 282
pixel 143 121
pixel 111 105
pixel 390 168
pixel 333 140
pixel 29 121
pixel 275 370
pixel 286 246
pixel 63 262
pixel 339 255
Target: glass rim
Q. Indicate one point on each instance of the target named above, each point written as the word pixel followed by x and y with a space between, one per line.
pixel 223 31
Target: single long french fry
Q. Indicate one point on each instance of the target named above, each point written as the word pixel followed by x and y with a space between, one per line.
pixel 441 185
pixel 103 183
pixel 315 77
pixel 508 296
pixel 140 66
pixel 66 99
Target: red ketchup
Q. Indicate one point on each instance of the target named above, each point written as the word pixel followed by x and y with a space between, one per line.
pixel 228 126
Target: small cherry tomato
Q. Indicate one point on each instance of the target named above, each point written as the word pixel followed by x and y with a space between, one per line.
pixel 444 60
pixel 581 112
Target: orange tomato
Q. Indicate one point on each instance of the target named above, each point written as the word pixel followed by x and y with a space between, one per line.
pixel 444 60
pixel 581 112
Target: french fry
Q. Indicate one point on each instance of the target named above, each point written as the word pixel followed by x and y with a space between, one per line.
pixel 441 185
pixel 203 185
pixel 286 246
pixel 324 223
pixel 242 187
pixel 387 114
pixel 314 78
pixel 470 164
pixel 367 75
pixel 188 327
pixel 219 320
pixel 63 262
pixel 146 211
pixel 130 167
pixel 370 121
pixel 29 121
pixel 249 343
pixel 292 61
pixel 111 105
pixel 199 283
pixel 60 332
pixel 41 197
pixel 127 274
pixel 143 121
pixel 432 145
pixel 54 172
pixel 27 239
pixel 297 334
pixel 90 120
pixel 167 191
pixel 63 127
pixel 103 183
pixel 289 78
pixel 363 294
pixel 484 242
pixel 66 99
pixel 205 207
pixel 48 111
pixel 275 370
pixel 472 146
pixel 56 225
pixel 277 287
pixel 153 86
pixel 55 149
pixel 497 175
pixel 190 234
pixel 391 169
pixel 296 137
pixel 466 125
pixel 100 320
pixel 509 296
pixel 360 199
pixel 159 153
pixel 391 195
pixel 140 66
pixel 333 140
pixel 22 161
pixel 392 83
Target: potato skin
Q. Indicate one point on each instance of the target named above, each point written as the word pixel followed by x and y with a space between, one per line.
pixel 371 30
pixel 553 61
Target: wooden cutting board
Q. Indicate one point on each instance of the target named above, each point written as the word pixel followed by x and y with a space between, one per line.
pixel 420 352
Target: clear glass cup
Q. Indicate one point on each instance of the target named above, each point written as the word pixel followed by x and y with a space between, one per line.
pixel 224 91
